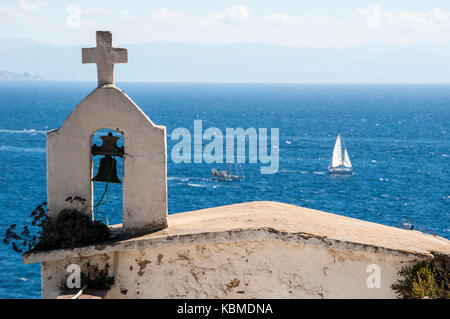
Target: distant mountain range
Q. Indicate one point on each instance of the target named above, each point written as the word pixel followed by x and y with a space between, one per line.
pixel 177 62
pixel 5 75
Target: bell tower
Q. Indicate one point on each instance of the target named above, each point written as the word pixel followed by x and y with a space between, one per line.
pixel 144 154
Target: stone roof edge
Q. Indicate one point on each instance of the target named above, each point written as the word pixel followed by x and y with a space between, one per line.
pixel 249 234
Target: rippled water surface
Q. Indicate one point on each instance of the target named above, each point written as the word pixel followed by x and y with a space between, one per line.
pixel 398 138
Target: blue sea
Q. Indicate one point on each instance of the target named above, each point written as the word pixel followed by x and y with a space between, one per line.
pixel 398 138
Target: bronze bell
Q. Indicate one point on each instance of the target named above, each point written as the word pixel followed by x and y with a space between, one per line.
pixel 107 171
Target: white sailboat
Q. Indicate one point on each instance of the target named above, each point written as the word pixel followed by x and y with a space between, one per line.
pixel 340 164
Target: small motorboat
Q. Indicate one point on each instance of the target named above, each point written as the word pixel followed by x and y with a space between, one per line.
pixel 226 175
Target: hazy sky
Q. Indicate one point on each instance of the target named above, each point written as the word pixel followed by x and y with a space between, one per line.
pixel 285 22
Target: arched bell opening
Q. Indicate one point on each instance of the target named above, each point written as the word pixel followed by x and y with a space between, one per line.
pixel 107 149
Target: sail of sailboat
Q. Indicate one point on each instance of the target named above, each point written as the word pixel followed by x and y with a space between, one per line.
pixel 336 160
pixel 346 161
pixel 340 164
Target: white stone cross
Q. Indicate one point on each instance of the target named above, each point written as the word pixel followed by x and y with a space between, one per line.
pixel 105 56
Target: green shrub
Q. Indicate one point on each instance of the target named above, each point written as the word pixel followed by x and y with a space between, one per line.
pixel 69 229
pixel 426 279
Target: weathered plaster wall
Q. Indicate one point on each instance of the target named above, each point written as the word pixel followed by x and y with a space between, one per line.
pixel 243 269
pixel 69 161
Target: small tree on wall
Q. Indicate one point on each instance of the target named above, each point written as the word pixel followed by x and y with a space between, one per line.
pixel 69 229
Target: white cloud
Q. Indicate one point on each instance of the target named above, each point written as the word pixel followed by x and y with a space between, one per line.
pixel 417 20
pixel 282 19
pixel 169 16
pixel 234 14
pixel 440 15
pixel 238 12
pixel 95 11
pixel 7 9
pixel 17 14
pixel 25 5
pixel 278 26
pixel 127 15
pixel 434 20
pixel 320 19
pixel 374 16
pixel 28 19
